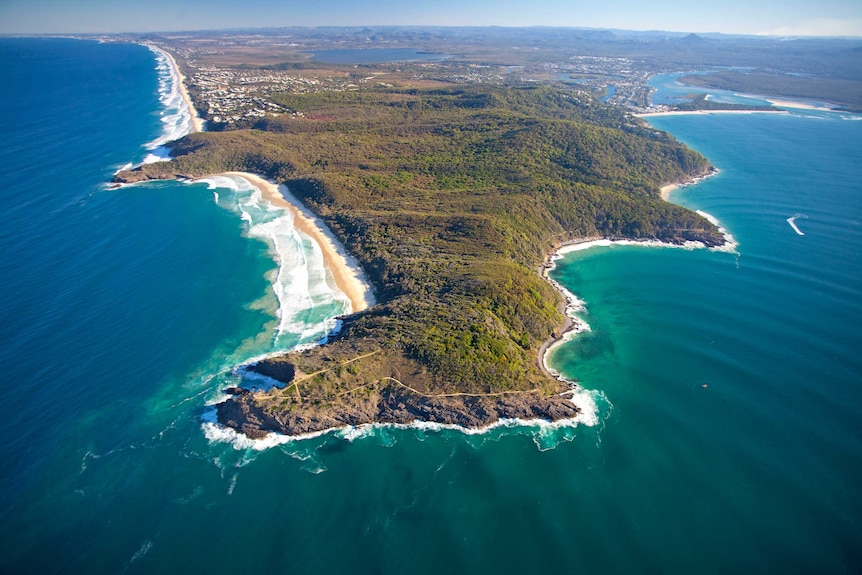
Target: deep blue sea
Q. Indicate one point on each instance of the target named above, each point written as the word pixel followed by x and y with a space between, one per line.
pixel 728 386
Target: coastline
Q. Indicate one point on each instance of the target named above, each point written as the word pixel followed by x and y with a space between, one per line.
pixel 346 273
pixel 706 112
pixel 798 105
pixel 196 124
pixel 574 325
pixel 666 190
pixel 216 432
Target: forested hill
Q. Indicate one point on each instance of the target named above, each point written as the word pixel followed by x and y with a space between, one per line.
pixel 450 200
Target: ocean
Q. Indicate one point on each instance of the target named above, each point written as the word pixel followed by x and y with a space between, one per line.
pixel 727 432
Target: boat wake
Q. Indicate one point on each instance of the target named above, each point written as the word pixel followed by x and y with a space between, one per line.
pixel 792 221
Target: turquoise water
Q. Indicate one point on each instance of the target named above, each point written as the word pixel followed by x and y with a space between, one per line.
pixel 739 375
pixel 123 312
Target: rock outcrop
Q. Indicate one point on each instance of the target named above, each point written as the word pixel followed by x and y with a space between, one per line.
pixel 391 404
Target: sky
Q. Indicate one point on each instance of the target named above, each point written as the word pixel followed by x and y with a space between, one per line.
pixel 776 17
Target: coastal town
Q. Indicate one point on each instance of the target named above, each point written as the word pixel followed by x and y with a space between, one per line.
pixel 239 95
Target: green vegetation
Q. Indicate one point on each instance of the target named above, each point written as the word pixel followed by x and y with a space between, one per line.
pixel 699 102
pixel 450 200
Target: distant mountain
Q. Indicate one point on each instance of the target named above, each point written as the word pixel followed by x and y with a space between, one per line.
pixel 693 39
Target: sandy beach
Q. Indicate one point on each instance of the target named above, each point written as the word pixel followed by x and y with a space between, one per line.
pixel 347 274
pixel 666 190
pixel 797 105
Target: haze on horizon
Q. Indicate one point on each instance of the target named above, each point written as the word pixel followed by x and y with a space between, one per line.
pixel 770 17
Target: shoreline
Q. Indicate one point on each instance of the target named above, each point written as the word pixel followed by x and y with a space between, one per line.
pixel 196 124
pixel 215 431
pixel 346 272
pixel 798 105
pixel 666 190
pixel 705 113
pixel 573 325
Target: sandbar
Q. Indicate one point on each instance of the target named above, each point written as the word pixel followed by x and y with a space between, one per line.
pixel 705 112
pixel 346 273
pixel 798 105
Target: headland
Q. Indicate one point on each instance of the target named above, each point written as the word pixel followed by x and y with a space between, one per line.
pixel 450 201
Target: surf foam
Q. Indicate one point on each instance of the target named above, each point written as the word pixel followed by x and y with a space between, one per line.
pixel 308 301
pixel 176 117
pixel 546 434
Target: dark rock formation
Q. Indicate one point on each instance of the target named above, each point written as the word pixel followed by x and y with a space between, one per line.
pixel 391 405
pixel 282 371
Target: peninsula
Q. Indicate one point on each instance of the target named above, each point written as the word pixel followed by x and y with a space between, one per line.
pixel 450 200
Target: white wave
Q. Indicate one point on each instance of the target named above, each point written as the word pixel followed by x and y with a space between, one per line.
pixel 585 400
pixel 216 433
pixel 689 245
pixel 176 117
pixel 302 284
pixel 214 182
pixel 334 243
pixel 352 433
pixel 730 243
pixel 254 381
pixel 574 307
pixel 159 154
pixel 124 167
